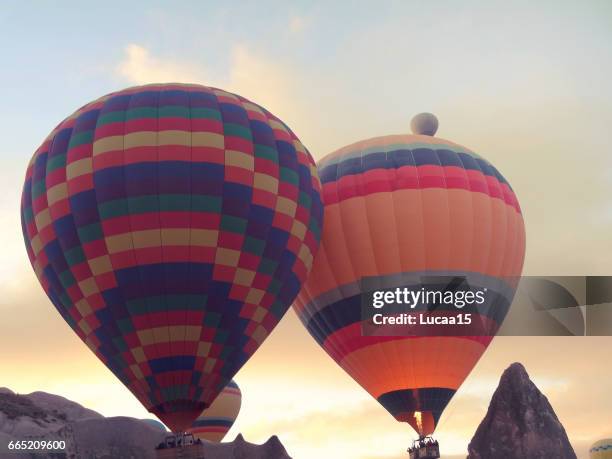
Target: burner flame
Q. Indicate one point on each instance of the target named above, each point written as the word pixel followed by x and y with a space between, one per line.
pixel 418 416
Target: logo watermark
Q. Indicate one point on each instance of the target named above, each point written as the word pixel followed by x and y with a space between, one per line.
pixel 477 305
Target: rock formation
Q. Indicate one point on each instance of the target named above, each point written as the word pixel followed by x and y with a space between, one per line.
pixel 241 449
pixel 520 423
pixel 89 435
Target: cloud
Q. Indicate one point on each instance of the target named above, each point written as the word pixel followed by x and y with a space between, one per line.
pixel 262 79
pixel 138 66
pixel 297 24
pixel 16 275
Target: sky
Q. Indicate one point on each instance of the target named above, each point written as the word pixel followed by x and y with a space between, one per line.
pixel 525 84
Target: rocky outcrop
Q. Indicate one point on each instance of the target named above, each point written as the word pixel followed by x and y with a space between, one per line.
pixel 520 423
pixel 20 416
pixel 57 403
pixel 241 449
pixel 89 435
pixel 117 437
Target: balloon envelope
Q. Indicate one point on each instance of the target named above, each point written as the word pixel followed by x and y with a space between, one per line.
pixel 216 420
pixel 399 207
pixel 172 226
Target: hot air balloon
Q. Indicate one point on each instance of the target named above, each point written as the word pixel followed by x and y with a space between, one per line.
pixel 601 449
pixel 216 420
pixel 172 226
pixel 400 210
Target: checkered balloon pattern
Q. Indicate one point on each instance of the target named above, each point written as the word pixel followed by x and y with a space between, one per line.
pixel 172 226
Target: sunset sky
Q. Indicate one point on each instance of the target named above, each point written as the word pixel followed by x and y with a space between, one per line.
pixel 526 85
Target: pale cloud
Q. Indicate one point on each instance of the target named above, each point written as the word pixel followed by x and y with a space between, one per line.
pixel 139 66
pixel 15 271
pixel 253 75
pixel 297 24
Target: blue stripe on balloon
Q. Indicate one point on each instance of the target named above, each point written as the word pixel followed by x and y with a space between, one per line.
pixel 394 159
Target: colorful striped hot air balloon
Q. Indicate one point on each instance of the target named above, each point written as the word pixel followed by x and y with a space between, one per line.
pixel 399 208
pixel 601 449
pixel 216 420
pixel 172 226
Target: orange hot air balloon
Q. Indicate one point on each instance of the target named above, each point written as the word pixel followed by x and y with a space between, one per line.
pixel 216 420
pixel 400 208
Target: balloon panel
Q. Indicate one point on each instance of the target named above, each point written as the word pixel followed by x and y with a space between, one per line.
pixel 401 207
pixel 171 226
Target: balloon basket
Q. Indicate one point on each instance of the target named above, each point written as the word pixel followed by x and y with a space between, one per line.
pixel 182 445
pixel 424 448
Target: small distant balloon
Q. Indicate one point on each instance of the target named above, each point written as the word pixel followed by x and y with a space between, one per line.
pixel 216 420
pixel 601 449
pixel 424 124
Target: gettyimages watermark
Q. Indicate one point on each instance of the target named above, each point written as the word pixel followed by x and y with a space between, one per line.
pixel 475 305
